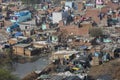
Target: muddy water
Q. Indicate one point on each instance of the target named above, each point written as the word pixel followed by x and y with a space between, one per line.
pixel 21 70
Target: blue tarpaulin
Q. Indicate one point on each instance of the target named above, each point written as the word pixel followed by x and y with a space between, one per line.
pixel 96 54
pixel 105 57
pixel 107 40
pixel 65 14
pixel 44 27
pixel 83 47
pixel 21 16
pixel 22 13
pixel 18 34
pixel 15 25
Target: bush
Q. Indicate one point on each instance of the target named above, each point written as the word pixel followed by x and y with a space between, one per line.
pixel 11 5
pixel 95 31
pixel 6 75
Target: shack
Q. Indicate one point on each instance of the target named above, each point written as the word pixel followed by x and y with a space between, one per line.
pixel 19 49
pixel 62 54
pixel 31 51
pixel 12 41
pixel 42 46
pixel 19 39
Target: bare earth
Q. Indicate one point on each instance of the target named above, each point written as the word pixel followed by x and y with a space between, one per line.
pixel 111 68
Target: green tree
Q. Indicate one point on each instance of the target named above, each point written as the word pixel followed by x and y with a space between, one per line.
pixel 6 75
pixel 30 1
pixel 9 59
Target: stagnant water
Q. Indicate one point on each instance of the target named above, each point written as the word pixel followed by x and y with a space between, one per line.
pixel 21 70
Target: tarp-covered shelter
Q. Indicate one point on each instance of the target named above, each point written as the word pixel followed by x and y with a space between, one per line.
pixel 44 27
pixel 13 26
pixel 18 34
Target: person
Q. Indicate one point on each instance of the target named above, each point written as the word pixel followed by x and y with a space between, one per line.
pixel 26 27
pixel 65 22
pixel 84 7
pixel 79 24
pixel 109 21
pixel 101 15
pixel 94 24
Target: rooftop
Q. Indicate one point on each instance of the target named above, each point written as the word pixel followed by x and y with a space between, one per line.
pixel 22 45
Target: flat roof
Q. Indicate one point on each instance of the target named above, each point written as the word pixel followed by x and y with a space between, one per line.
pixel 40 42
pixel 22 45
pixel 66 52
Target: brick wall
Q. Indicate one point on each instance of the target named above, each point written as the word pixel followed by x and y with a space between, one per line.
pixel 77 31
pixel 105 9
pixel 93 13
pixel 112 5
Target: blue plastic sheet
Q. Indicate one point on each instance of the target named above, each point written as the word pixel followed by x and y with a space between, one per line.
pixel 21 16
pixel 83 47
pixel 22 13
pixel 96 54
pixel 44 27
pixel 104 58
pixel 106 40
pixel 18 34
pixel 15 25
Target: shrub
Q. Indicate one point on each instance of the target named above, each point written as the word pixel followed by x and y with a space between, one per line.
pixel 95 31
pixel 6 75
pixel 11 5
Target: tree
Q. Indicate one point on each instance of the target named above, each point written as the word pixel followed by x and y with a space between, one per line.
pixel 6 75
pixel 9 59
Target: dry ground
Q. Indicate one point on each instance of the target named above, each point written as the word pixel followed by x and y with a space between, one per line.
pixel 111 68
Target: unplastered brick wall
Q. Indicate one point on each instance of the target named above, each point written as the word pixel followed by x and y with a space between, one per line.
pixel 84 30
pixel 105 9
pixel 112 5
pixel 93 13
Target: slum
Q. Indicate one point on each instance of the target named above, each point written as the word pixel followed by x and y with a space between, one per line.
pixel 78 34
